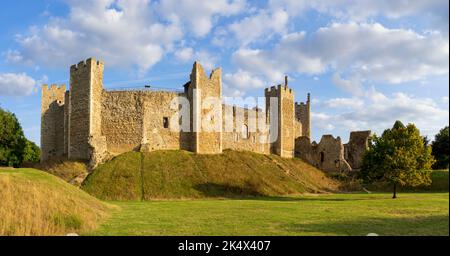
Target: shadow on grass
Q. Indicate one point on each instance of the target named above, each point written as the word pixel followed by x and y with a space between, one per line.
pixel 250 192
pixel 426 225
pixel 210 189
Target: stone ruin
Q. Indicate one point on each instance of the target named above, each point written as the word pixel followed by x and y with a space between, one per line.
pixel 91 123
pixel 331 155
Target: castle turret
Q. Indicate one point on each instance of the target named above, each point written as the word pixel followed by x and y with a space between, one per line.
pixel 52 121
pixel 282 125
pixel 86 86
pixel 303 113
pixel 205 95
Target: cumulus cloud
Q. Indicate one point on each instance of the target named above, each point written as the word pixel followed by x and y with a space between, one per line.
pixel 377 112
pixel 16 84
pixel 363 51
pixel 235 84
pixel 184 54
pixel 123 33
pixel 351 103
pixel 198 17
pixel 361 10
pixel 187 54
pixel 260 26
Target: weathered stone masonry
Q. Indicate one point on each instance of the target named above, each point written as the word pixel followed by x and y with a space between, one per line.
pixel 90 123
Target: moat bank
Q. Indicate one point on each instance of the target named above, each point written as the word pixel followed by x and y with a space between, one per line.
pixel 182 174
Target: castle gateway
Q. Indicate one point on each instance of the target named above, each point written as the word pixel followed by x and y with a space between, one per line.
pixel 92 124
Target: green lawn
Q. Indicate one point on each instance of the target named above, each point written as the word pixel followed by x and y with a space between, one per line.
pixel 337 214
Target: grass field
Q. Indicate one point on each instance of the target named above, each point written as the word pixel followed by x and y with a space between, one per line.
pixel 338 214
pixel 33 202
pixel 223 201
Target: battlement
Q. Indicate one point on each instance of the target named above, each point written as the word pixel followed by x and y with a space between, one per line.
pixel 85 65
pixel 54 87
pixel 280 88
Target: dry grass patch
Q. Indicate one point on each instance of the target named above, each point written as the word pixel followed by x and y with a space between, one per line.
pixel 36 203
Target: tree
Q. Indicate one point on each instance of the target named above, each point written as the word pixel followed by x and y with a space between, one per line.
pixel 440 149
pixel 31 152
pixel 398 157
pixel 14 147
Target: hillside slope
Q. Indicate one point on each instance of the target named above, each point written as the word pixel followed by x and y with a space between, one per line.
pixel 33 202
pixel 182 174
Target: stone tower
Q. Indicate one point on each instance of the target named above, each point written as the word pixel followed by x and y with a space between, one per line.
pixel 205 97
pixel 86 86
pixel 284 143
pixel 303 113
pixel 53 121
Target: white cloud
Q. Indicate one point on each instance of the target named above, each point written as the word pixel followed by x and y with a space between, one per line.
pixel 13 56
pixel 361 10
pixel 206 59
pixel 235 84
pixel 198 17
pixel 185 54
pixel 380 112
pixel 352 103
pixel 352 85
pixel 258 63
pixel 445 100
pixel 365 52
pixel 16 84
pixel 260 26
pixel 123 33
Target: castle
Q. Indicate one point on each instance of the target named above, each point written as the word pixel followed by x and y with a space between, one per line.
pixel 91 123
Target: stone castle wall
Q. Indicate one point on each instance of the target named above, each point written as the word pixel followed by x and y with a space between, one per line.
pixel 53 121
pixel 131 119
pixel 246 132
pixel 90 123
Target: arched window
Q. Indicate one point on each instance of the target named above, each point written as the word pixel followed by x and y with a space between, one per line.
pixel 245 134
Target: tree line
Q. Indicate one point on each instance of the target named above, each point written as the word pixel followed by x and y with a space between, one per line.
pixel 15 148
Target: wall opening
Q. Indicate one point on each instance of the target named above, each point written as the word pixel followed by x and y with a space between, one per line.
pixel 165 122
pixel 322 157
pixel 245 134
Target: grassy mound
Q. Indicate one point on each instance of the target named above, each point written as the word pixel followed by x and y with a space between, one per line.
pixel 182 174
pixel 71 171
pixel 33 202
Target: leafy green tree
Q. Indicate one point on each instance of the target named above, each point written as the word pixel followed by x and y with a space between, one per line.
pixel 31 152
pixel 398 157
pixel 440 149
pixel 14 147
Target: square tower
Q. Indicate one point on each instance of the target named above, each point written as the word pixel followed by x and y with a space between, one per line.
pixel 86 87
pixel 303 113
pixel 53 121
pixel 283 142
pixel 205 97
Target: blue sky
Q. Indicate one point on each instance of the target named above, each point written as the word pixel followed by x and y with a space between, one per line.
pixel 366 63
